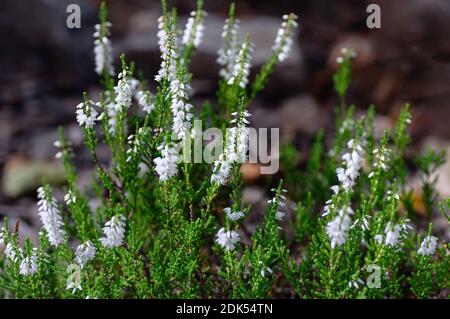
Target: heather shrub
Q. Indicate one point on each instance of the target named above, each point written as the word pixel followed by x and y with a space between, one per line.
pixel 166 227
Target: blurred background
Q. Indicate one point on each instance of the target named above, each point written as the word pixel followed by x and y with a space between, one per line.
pixel 45 67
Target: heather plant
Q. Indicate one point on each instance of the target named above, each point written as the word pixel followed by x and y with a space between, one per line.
pixel 167 227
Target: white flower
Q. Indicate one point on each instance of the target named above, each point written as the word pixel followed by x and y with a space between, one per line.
pixel 70 197
pixel 167 46
pixel 29 265
pixel 279 204
pixel 74 284
pixel 193 33
pixel 50 217
pixel 428 246
pixel 86 114
pixel 392 235
pixel 279 215
pixel 337 228
pixel 84 253
pixel 227 239
pixel 145 100
pixel 236 146
pixel 13 253
pixel 103 50
pixel 363 222
pixel 233 216
pixel 114 231
pixel 382 156
pixel 166 164
pixel 265 269
pixel 123 91
pixel 241 69
pixel 356 283
pixel 228 55
pixel 2 236
pixel 180 110
pixel 285 35
pixel 348 174
pixel 379 238
pixel 221 170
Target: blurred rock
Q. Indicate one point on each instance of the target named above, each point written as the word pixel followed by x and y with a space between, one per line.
pixel 250 172
pixel 41 145
pixel 252 195
pixel 381 124
pixel 302 113
pixel 22 176
pixel 263 117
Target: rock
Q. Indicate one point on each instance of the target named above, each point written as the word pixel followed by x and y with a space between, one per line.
pixel 381 124
pixel 302 114
pixel 263 117
pixel 250 172
pixel 74 134
pixel 41 145
pixel 22 176
pixel 252 195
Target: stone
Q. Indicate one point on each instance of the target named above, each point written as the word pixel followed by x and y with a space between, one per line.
pixel 302 113
pixel 22 175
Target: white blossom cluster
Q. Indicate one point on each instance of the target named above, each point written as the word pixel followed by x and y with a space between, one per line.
pixel 2 236
pixel 179 90
pixel 353 159
pixel 50 217
pixel 86 114
pixel 70 197
pixel 29 264
pixel 227 239
pixel 235 150
pixel 114 231
pixel 233 215
pixel 428 246
pixel 102 50
pixel 84 253
pixel 264 270
pixel 227 56
pixel 13 253
pixel 280 204
pixel 382 156
pixel 337 228
pixel 193 33
pixel 285 37
pixel 166 164
pixel 363 222
pixel 356 283
pixel 74 283
pixel 145 100
pixel 346 53
pixel 392 234
pixel 168 50
pixel 124 91
pixel 241 68
pixel 181 111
